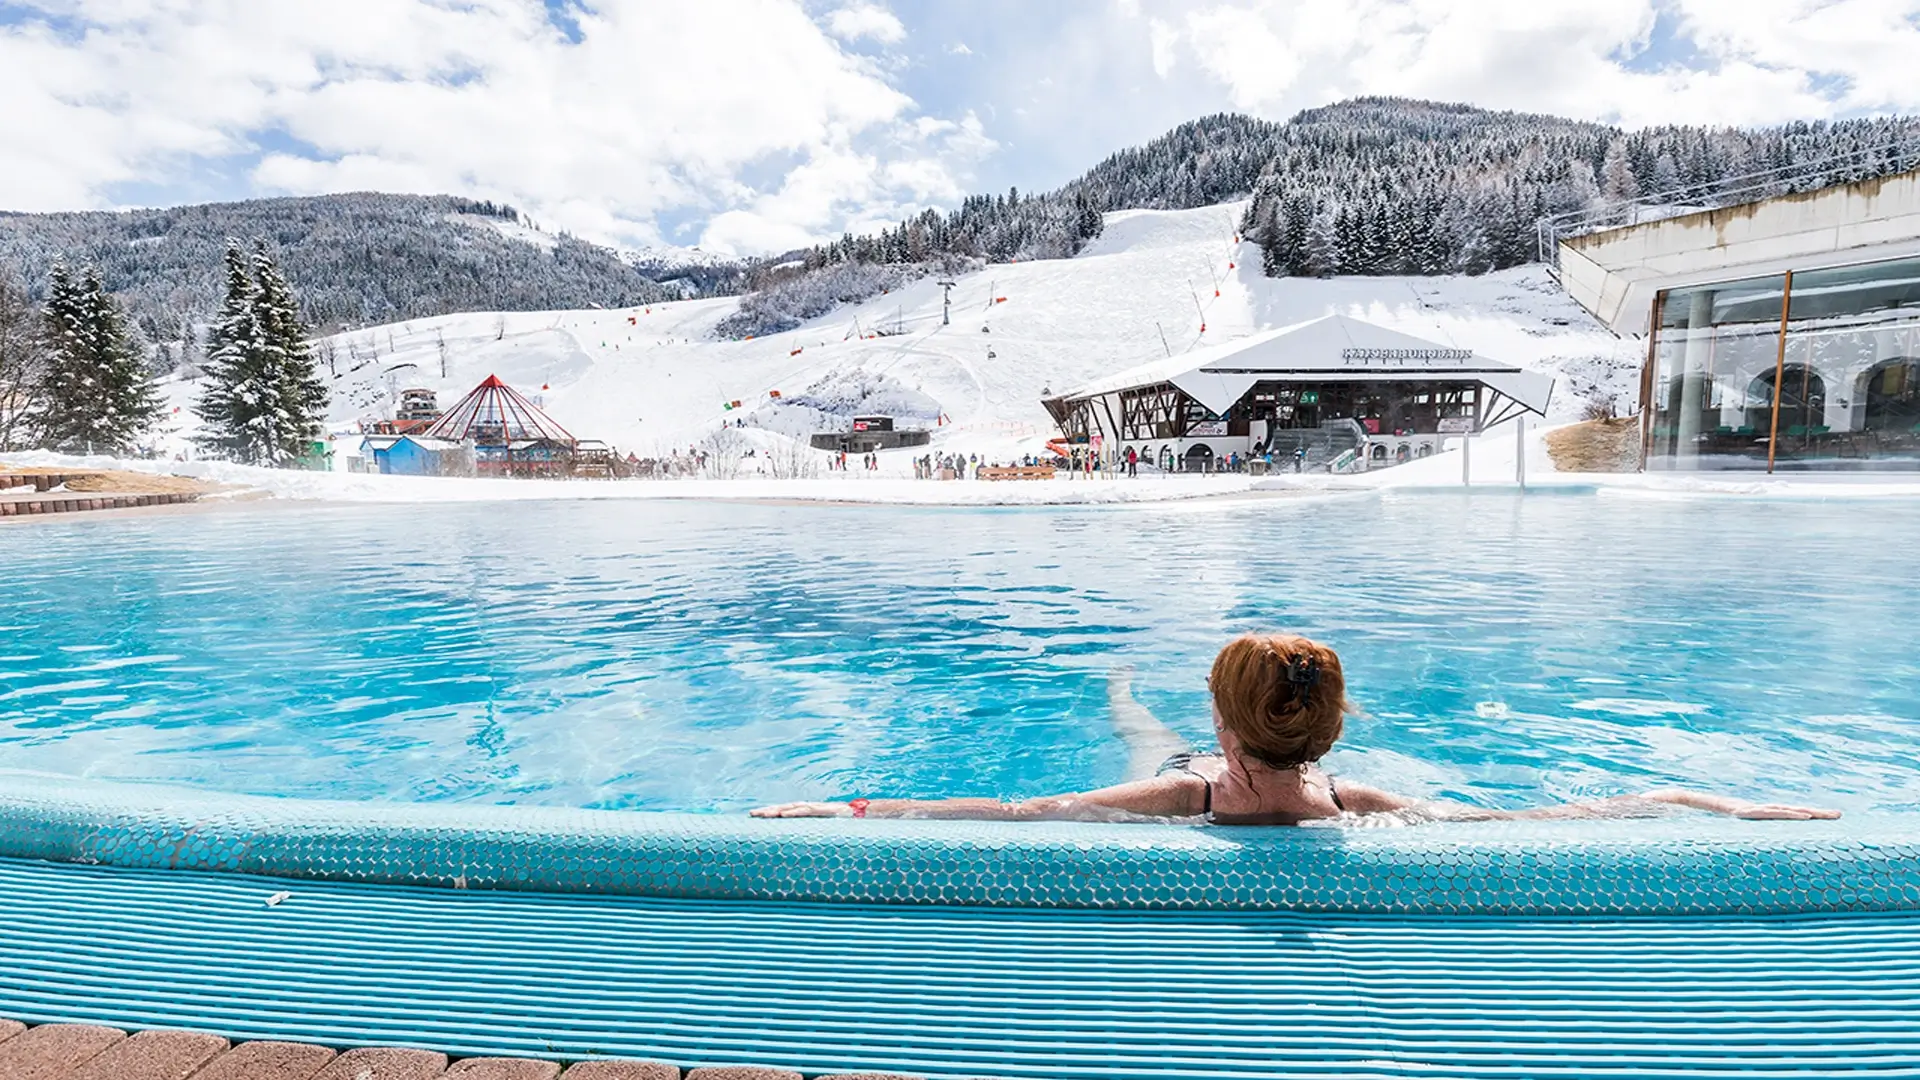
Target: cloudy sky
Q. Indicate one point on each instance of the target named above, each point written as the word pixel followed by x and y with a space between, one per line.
pixel 758 125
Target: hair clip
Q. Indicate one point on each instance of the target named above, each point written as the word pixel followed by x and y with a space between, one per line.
pixel 1303 671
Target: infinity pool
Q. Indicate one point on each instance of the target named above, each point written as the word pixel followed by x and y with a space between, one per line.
pixel 701 656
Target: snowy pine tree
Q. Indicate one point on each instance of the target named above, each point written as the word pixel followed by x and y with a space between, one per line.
pixel 97 396
pixel 302 405
pixel 263 400
pixel 235 387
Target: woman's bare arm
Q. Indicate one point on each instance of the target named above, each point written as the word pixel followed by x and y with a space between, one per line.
pixel 1172 795
pixel 1629 806
pixel 1740 808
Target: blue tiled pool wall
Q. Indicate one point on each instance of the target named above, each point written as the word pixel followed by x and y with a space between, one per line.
pixel 1673 866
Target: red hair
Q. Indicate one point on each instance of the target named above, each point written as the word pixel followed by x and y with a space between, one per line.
pixel 1281 695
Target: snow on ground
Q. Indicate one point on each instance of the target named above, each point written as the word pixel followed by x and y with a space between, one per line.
pixel 651 380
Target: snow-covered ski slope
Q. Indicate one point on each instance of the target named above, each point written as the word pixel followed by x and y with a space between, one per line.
pixel 649 380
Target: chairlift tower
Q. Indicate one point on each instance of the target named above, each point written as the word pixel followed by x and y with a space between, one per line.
pixel 946 301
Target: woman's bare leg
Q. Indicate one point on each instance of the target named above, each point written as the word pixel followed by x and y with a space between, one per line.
pixel 1149 742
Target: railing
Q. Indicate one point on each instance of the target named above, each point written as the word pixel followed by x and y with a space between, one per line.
pixel 1864 163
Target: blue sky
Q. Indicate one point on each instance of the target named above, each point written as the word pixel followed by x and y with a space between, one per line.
pixel 754 125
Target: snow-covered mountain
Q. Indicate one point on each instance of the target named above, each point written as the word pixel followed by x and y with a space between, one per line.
pixel 354 258
pixel 650 378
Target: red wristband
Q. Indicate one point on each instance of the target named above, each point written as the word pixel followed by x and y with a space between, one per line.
pixel 859 807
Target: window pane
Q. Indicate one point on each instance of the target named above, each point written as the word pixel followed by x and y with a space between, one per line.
pixel 1714 344
pixel 1850 390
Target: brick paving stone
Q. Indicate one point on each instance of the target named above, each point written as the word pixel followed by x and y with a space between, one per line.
pixel 267 1060
pixel 10 1028
pixel 152 1055
pixel 741 1072
pixel 621 1069
pixel 52 1050
pixel 385 1063
pixel 503 1068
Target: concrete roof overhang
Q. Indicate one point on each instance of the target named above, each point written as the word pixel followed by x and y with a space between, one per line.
pixel 1616 274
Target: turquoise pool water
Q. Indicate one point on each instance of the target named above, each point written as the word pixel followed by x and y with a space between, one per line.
pixel 714 656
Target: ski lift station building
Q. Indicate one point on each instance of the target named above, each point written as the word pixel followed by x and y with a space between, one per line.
pixel 1327 386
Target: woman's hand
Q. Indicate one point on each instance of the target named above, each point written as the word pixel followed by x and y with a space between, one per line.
pixel 805 809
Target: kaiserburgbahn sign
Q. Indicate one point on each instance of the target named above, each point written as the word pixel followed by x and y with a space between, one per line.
pixel 1401 356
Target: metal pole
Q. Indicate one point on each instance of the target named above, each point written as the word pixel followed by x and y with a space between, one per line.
pixel 1647 380
pixel 1520 452
pixel 1466 459
pixel 1779 368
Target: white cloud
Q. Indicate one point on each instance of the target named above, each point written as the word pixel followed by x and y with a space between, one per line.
pixel 851 192
pixel 657 109
pixel 1754 61
pixel 866 20
pixel 763 124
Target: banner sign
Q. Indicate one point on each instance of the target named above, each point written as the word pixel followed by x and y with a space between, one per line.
pixel 1207 427
pixel 1367 356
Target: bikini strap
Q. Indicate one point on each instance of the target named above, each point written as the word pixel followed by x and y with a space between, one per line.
pixel 1335 792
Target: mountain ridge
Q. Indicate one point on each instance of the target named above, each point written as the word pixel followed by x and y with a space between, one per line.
pixel 356 258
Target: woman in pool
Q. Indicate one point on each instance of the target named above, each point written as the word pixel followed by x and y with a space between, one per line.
pixel 1279 704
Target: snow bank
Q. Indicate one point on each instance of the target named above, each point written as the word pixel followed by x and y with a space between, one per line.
pixel 853 487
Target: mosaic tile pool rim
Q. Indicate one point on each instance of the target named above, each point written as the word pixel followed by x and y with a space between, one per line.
pixel 1690 865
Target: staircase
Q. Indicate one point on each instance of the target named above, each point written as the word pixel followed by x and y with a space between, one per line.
pixel 1326 445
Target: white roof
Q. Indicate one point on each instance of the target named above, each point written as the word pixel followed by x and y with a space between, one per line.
pixel 426 442
pixel 1332 347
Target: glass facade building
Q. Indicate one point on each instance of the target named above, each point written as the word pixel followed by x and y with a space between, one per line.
pixel 1809 369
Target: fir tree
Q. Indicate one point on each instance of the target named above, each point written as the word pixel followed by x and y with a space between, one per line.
pixel 302 396
pixel 97 395
pixel 263 400
pixel 237 391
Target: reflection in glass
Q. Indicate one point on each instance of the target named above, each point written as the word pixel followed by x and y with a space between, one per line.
pixel 1847 396
pixel 1714 343
pixel 1847 386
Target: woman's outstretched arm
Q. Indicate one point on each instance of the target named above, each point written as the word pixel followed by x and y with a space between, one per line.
pixel 1627 806
pixel 1172 795
pixel 1740 808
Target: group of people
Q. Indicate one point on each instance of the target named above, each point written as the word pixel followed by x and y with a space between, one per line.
pixel 837 462
pixel 946 466
pixel 1080 460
